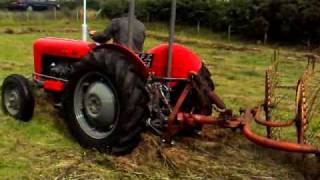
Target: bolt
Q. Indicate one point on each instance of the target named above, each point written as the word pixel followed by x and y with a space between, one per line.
pixel 172 142
pixel 199 133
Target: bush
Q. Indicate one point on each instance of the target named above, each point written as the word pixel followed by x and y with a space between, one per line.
pixel 114 8
pixel 282 20
pixel 68 5
pixel 93 4
pixel 4 4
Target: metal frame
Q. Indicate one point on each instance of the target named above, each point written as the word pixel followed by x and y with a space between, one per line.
pixel 226 119
pixel 84 25
pixel 34 74
pixel 171 36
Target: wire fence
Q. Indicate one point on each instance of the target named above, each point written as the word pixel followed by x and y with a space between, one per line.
pixel 75 14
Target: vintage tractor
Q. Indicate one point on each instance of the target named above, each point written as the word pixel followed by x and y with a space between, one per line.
pixel 106 92
pixel 109 94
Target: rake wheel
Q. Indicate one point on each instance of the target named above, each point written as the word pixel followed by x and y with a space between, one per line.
pixel 301 112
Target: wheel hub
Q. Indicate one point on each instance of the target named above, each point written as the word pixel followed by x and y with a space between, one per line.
pixel 94 105
pixel 99 102
pixel 12 101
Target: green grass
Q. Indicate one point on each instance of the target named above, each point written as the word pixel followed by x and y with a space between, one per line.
pixel 43 148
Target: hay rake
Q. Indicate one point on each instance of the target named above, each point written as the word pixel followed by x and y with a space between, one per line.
pixel 303 111
pixel 226 119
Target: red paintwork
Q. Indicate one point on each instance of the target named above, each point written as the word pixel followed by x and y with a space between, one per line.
pixel 75 49
pixel 60 48
pixel 183 61
pixel 51 85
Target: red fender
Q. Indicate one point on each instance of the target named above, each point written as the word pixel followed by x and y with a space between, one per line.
pixel 131 56
pixel 183 61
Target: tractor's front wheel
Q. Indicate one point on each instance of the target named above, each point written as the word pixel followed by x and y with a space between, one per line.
pixel 105 104
pixel 17 97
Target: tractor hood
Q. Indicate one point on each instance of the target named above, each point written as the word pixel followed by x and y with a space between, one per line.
pixel 62 47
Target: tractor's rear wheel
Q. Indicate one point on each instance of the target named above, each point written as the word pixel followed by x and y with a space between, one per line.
pixel 192 103
pixel 105 103
pixel 17 97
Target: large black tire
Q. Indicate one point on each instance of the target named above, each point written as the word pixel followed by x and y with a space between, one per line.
pixel 131 97
pixel 17 97
pixel 192 102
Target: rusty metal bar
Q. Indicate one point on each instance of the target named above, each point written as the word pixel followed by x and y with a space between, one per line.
pixel 270 123
pixel 279 145
pixel 225 119
pixel 202 89
pixel 215 99
pixel 176 109
pixel 192 119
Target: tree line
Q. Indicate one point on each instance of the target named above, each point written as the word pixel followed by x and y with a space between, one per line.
pixel 290 21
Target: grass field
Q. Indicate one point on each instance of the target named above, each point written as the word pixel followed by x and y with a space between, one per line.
pixel 44 149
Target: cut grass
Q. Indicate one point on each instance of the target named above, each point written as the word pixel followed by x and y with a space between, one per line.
pixel 43 148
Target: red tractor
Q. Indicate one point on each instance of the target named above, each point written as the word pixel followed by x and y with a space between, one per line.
pixel 109 94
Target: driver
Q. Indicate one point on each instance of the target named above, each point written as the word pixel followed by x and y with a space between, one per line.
pixel 118 31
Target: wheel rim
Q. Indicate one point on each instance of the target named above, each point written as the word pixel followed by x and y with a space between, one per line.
pixel 12 100
pixel 95 105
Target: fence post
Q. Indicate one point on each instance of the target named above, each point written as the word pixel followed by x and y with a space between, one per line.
pixel 229 32
pixel 55 13
pixel 28 15
pixel 265 38
pixel 309 43
pixel 77 15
